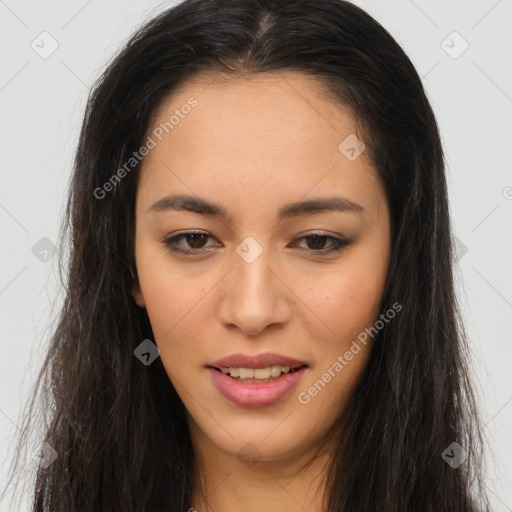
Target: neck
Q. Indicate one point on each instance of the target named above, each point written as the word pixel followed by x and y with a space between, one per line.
pixel 228 483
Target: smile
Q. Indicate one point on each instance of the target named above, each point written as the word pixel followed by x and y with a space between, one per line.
pixel 256 387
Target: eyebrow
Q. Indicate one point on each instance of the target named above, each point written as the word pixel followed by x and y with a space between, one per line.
pixel 180 202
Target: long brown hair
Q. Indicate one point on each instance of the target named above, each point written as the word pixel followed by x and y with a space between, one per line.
pixel 117 426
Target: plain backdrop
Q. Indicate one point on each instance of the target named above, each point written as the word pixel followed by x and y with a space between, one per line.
pixel 461 49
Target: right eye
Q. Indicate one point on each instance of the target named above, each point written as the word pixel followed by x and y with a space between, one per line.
pixel 194 239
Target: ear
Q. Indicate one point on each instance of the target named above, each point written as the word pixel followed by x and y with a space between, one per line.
pixel 138 297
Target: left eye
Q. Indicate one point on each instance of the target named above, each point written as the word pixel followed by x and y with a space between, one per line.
pixel 196 239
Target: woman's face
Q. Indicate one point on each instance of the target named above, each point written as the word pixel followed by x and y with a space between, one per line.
pixel 261 276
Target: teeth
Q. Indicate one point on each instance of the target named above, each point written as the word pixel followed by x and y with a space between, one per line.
pixel 256 373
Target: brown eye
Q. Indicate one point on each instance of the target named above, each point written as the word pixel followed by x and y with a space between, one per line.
pixel 194 243
pixel 316 243
pixel 194 240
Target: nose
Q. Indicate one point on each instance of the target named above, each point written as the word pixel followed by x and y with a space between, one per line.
pixel 254 297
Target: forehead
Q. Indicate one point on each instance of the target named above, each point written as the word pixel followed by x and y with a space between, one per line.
pixel 274 130
pixel 260 103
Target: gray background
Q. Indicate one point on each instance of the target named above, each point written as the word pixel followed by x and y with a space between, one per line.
pixel 42 102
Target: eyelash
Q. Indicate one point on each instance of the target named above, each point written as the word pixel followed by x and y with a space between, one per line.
pixel 339 243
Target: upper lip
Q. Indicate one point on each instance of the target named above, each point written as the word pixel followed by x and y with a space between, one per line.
pixel 256 361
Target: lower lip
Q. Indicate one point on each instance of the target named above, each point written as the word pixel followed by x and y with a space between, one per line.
pixel 256 395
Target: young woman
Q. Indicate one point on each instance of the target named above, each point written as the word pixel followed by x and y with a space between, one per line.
pixel 260 310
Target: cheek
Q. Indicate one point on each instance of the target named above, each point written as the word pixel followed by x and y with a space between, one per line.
pixel 346 300
pixel 348 303
pixel 171 295
pixel 178 310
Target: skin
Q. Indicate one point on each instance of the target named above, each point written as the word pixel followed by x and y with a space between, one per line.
pixel 252 144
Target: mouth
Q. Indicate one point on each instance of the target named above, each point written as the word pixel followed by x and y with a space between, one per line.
pixel 258 368
pixel 258 375
pixel 256 387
